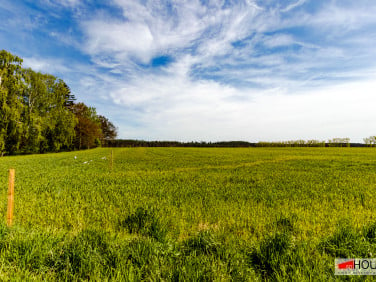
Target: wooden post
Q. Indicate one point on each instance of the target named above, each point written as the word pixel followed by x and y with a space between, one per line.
pixel 12 173
pixel 112 159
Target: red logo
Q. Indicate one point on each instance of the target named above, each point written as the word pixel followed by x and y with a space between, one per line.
pixel 347 265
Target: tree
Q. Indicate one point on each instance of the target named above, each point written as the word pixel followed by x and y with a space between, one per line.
pixel 109 131
pixel 63 120
pixel 50 122
pixel 34 98
pixel 370 141
pixel 69 98
pixel 38 113
pixel 11 106
pixel 88 128
pixel 339 142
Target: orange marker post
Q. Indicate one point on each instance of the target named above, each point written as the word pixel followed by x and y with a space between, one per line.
pixel 112 159
pixel 12 173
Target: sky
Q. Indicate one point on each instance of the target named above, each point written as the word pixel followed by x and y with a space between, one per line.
pixel 208 70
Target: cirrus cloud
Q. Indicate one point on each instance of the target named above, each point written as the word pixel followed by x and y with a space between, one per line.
pixel 210 69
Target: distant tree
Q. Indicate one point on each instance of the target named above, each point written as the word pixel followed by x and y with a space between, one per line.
pixel 109 131
pixel 339 142
pixel 88 128
pixel 315 143
pixel 370 141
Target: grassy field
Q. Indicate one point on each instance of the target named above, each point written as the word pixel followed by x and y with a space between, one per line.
pixel 188 214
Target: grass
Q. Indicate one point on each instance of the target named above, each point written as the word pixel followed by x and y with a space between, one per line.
pixel 194 214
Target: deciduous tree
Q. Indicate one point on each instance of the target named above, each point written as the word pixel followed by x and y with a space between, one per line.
pixel 11 106
pixel 88 129
pixel 109 131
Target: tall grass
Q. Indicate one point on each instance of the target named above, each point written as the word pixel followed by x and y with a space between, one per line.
pixel 188 214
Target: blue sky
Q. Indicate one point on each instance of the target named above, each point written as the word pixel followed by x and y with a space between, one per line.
pixel 205 70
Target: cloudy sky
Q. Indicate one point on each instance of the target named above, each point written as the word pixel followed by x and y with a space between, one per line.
pixel 208 70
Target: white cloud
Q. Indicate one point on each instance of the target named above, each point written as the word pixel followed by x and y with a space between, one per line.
pixel 132 39
pixel 254 5
pixel 149 30
pixel 243 92
pixel 279 40
pixel 66 3
pixel 202 110
pixel 293 6
pixel 45 65
pixel 335 17
pixel 69 2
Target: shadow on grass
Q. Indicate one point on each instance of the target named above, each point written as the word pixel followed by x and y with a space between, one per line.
pixel 144 222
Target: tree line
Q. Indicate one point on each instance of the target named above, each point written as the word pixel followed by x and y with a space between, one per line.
pixel 38 113
pixel 335 142
pixel 143 143
pixel 370 141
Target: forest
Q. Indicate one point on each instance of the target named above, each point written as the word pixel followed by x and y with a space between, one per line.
pixel 39 113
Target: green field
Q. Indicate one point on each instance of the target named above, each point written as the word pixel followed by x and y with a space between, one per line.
pixel 188 214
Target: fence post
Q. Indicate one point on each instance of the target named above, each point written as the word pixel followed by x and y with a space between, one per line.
pixel 112 159
pixel 12 173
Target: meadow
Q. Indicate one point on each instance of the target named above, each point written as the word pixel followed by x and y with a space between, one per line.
pixel 188 214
